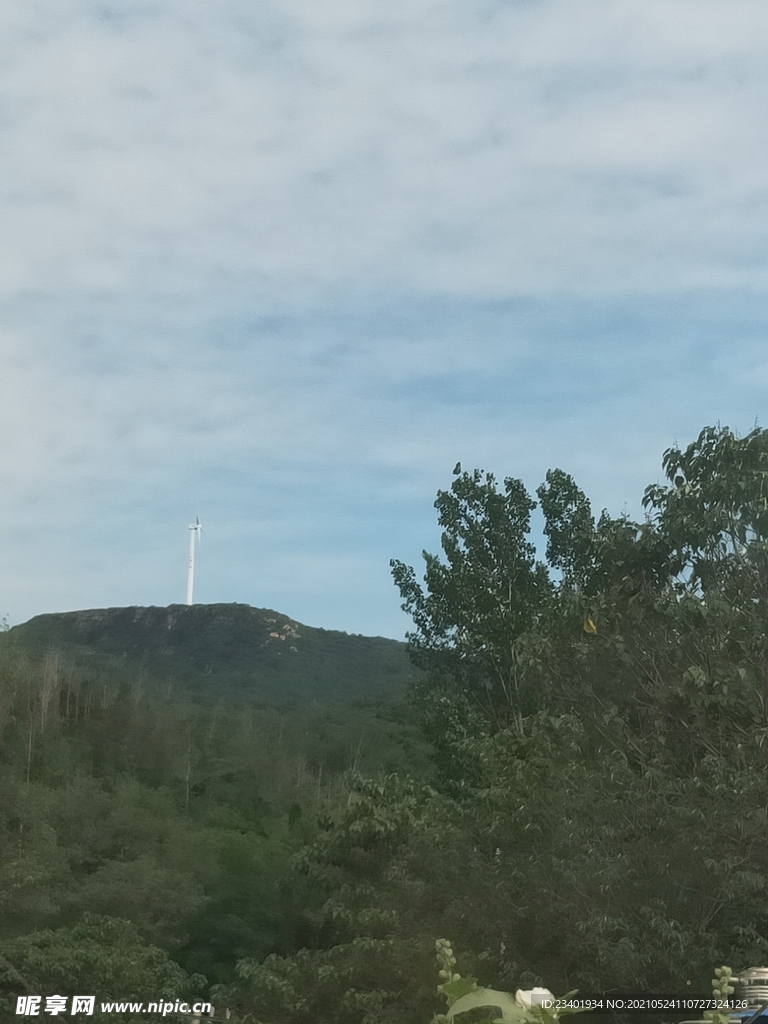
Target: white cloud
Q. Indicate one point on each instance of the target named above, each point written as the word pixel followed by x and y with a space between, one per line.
pixel 488 149
pixel 295 259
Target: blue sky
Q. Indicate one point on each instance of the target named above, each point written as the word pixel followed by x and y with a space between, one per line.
pixel 287 262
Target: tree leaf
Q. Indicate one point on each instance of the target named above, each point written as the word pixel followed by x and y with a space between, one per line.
pixel 454 990
pixel 511 1013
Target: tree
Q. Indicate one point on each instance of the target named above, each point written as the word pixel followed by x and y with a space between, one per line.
pixel 100 955
pixel 714 510
pixel 712 515
pixel 498 638
pixel 569 529
pixel 623 627
pixel 480 604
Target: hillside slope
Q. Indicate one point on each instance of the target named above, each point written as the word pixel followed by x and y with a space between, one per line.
pixel 217 651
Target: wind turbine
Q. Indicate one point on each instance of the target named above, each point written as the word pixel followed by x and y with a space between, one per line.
pixel 195 533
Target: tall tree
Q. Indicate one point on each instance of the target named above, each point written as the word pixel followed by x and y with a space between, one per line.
pixel 714 509
pixel 713 515
pixel 482 601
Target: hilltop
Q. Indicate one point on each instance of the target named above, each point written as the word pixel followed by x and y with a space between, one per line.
pixel 217 651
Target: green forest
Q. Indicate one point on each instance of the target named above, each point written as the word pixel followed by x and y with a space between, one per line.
pixel 569 784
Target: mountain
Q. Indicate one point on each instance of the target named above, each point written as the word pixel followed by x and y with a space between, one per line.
pixel 217 651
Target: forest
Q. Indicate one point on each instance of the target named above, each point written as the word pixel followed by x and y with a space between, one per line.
pixel 570 787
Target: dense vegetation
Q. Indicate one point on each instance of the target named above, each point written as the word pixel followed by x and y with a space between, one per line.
pixel 214 652
pixel 585 804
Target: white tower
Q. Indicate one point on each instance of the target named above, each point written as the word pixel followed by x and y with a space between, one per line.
pixel 194 537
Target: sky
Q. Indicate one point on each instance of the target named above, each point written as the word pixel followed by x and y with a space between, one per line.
pixel 281 264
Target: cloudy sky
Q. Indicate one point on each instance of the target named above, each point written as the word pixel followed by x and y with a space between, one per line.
pixel 285 262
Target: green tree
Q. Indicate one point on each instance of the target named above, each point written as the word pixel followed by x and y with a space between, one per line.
pixel 714 509
pixel 481 603
pixel 100 955
pixel 712 514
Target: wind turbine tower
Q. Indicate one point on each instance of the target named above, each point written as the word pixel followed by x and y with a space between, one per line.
pixel 195 532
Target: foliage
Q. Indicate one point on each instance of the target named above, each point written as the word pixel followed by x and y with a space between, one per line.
pixel 363 981
pixel 464 996
pixel 714 510
pixel 577 787
pixel 228 652
pixel 564 867
pixel 137 803
pixel 480 603
pixel 99 955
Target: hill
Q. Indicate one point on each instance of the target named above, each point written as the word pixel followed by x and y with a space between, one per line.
pixel 218 651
